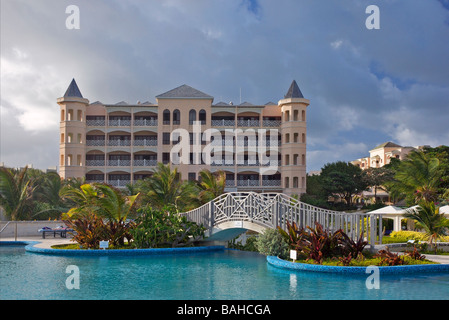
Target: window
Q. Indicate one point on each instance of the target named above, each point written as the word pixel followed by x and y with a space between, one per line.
pixel 295 137
pixel 62 115
pixel 303 159
pixel 165 157
pixel 303 138
pixel 192 116
pixel 176 117
pixel 287 137
pixel 303 115
pixel 202 116
pixel 192 176
pixel 79 115
pixel 287 182
pixel 166 138
pixel 287 116
pixel 295 115
pixel 295 159
pixel 287 159
pixel 295 182
pixel 166 117
pixel 62 138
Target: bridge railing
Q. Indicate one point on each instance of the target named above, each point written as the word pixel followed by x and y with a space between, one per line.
pixel 274 210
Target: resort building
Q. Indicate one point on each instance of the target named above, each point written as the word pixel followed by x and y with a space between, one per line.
pixel 382 155
pixel 261 148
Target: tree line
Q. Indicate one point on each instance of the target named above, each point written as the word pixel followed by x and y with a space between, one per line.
pixel 422 175
pixel 31 194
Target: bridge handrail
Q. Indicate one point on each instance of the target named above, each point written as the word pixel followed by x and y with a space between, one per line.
pixel 273 210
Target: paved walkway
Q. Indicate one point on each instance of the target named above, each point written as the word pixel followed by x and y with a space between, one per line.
pixel 43 243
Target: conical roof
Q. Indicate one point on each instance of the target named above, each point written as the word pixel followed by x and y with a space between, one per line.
pixel 73 90
pixel 293 91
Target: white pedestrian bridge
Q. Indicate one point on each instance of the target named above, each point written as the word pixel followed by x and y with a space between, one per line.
pixel 231 214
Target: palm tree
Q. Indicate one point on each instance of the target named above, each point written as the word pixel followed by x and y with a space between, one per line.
pixel 428 218
pixel 417 178
pixel 165 188
pixel 16 193
pixel 47 197
pixel 105 202
pixel 211 185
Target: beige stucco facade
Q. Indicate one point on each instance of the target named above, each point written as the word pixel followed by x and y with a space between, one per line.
pixel 263 147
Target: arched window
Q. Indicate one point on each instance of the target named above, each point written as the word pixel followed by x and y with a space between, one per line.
pixel 176 117
pixel 202 116
pixel 166 116
pixel 192 116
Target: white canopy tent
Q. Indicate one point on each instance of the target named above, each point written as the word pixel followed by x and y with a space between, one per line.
pixel 396 213
pixel 391 212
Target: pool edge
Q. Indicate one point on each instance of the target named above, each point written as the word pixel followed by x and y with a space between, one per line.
pixel 394 270
pixel 30 247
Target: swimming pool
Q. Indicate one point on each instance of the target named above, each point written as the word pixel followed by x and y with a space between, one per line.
pixel 218 275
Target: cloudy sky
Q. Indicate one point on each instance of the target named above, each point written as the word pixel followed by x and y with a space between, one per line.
pixel 366 86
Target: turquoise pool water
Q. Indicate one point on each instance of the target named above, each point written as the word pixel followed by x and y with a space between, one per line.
pixel 221 275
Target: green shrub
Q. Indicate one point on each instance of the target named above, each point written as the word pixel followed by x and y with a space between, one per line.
pixel 271 243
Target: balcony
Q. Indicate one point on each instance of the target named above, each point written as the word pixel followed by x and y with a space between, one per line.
pixel 223 123
pixel 146 143
pixel 119 163
pixel 272 123
pixel 96 122
pixel 248 123
pixel 119 183
pixel 95 163
pixel 248 183
pixel 119 143
pixel 95 143
pixel 145 123
pixel 271 183
pixel 120 123
pixel 145 163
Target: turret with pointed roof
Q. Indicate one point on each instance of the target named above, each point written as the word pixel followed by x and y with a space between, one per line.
pixel 294 91
pixel 73 90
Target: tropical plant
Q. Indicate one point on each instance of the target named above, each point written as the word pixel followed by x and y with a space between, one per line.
pixel 427 217
pixel 89 229
pixel 272 243
pixel 108 204
pixel 417 178
pixel 351 247
pixel 211 185
pixel 16 193
pixel 164 228
pixel 165 187
pixel 320 243
pixel 389 258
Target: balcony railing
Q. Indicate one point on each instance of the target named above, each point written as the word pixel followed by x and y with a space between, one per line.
pixel 271 183
pixel 120 123
pixel 96 123
pixel 272 123
pixel 248 183
pixel 145 123
pixel 145 163
pixel 119 183
pixel 248 123
pixel 119 163
pixel 146 143
pixel 119 143
pixel 95 143
pixel 223 123
pixel 95 163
